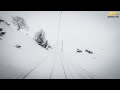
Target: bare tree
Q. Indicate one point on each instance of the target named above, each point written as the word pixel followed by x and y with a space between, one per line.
pixel 19 22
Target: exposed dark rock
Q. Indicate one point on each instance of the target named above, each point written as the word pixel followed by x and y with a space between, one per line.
pixel 90 52
pixel 79 51
pixel 18 46
pixel 2 33
pixel 1 29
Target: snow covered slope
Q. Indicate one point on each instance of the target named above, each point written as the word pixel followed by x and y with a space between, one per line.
pixel 17 62
pixel 25 62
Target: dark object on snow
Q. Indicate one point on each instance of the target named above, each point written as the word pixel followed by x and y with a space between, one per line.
pixel 90 52
pixel 45 44
pixel 18 46
pixel 2 33
pixel 1 29
pixel 1 20
pixel 7 23
pixel 79 51
pixel 48 46
pixel 40 38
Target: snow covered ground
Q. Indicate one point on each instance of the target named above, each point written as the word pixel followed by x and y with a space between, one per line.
pixel 17 61
pixel 31 61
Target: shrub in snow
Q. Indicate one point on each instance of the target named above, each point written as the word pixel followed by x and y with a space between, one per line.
pixel 18 46
pixel 19 22
pixel 4 21
pixel 40 39
pixel 1 20
pixel 45 44
pixel 49 46
pixel 1 29
pixel 79 51
pixel 90 52
pixel 1 33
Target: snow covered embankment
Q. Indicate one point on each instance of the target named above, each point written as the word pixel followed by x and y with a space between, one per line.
pixel 15 62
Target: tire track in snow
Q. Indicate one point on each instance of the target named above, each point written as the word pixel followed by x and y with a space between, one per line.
pixel 52 67
pixel 73 71
pixel 67 71
pixel 89 74
pixel 25 76
pixel 58 70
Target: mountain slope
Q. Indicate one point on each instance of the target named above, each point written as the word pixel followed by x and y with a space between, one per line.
pixel 14 61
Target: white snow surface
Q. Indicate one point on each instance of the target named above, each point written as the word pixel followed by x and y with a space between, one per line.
pixel 31 61
pixel 15 62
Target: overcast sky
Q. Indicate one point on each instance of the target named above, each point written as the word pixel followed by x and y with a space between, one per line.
pixel 79 29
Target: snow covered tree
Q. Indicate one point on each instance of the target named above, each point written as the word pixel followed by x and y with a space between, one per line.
pixel 40 38
pixel 46 44
pixel 19 22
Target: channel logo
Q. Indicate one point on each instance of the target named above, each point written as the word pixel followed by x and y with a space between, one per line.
pixel 113 15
